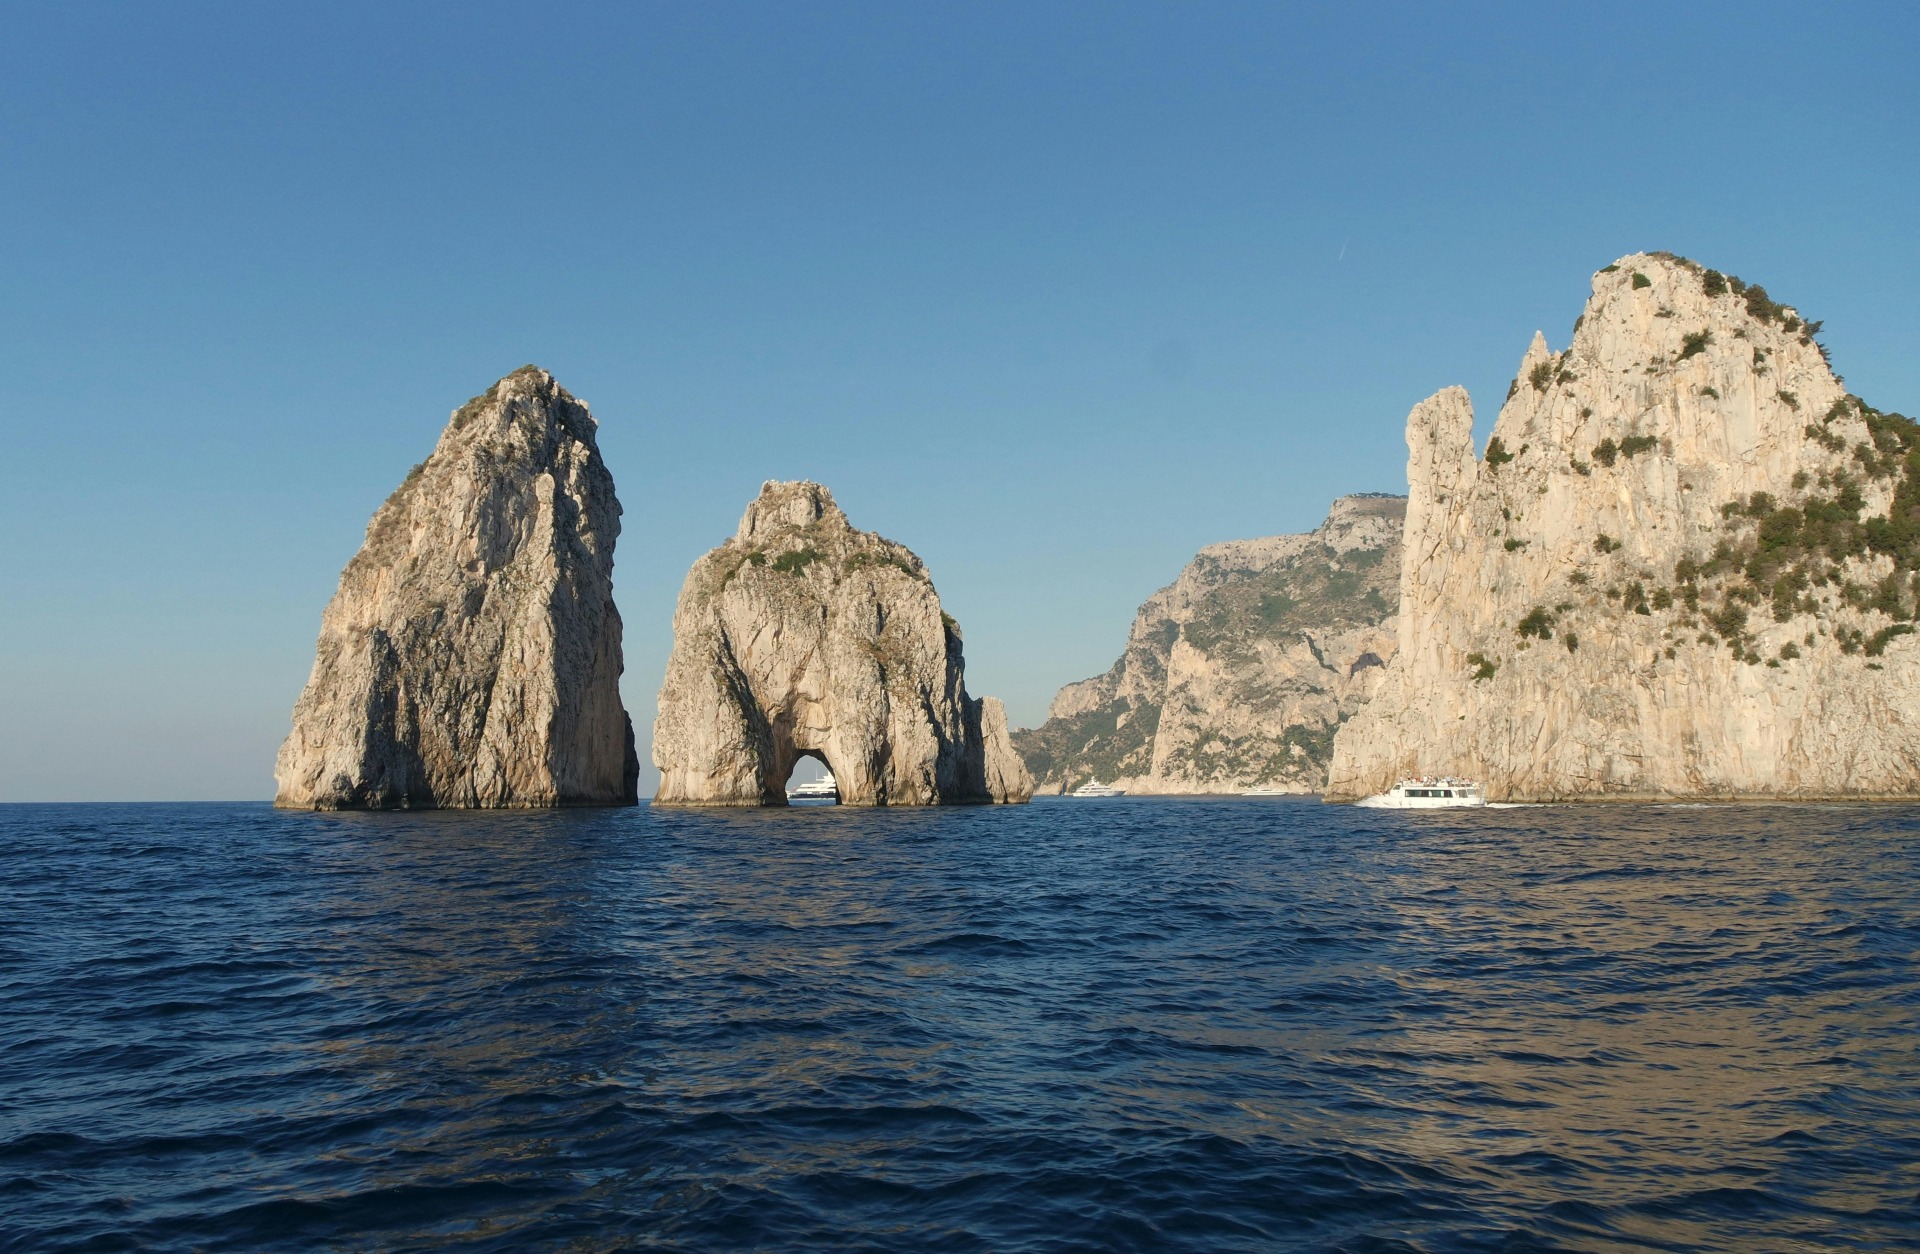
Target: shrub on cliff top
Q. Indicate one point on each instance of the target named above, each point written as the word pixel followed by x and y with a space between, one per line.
pixel 1730 621
pixel 796 561
pixel 1640 280
pixel 1877 643
pixel 1608 450
pixel 1761 307
pixel 862 560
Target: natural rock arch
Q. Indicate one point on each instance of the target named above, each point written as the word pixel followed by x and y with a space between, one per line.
pixel 802 636
pixel 819 757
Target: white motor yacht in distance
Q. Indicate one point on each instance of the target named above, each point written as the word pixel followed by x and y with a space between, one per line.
pixel 1427 794
pixel 822 789
pixel 1094 788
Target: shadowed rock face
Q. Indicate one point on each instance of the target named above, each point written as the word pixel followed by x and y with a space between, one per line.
pixel 1239 672
pixel 471 657
pixel 804 637
pixel 1685 567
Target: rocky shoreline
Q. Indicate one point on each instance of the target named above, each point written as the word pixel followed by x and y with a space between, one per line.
pixel 1686 566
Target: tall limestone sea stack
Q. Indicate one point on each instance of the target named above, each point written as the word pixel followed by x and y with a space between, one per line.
pixel 1238 673
pixel 1684 568
pixel 471 657
pixel 801 636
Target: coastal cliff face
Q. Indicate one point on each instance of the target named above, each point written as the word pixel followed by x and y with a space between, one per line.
pixel 801 636
pixel 471 656
pixel 1238 673
pixel 1684 568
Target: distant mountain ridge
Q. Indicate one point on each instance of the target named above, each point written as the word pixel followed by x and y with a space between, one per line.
pixel 1239 672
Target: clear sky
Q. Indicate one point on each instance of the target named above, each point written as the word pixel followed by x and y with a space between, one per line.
pixel 1054 294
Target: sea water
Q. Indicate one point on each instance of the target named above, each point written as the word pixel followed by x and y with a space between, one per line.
pixel 1113 1025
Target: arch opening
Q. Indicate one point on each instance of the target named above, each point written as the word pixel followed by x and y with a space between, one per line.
pixel 811 781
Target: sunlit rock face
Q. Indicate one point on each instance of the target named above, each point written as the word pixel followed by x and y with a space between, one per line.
pixel 801 636
pixel 1238 673
pixel 1684 567
pixel 471 657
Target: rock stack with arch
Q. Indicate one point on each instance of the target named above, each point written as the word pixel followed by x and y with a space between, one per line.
pixel 803 637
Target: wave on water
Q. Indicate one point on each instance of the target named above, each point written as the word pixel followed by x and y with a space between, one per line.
pixel 1165 1024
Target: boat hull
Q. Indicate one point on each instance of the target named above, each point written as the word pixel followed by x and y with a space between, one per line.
pixel 1428 794
pixel 1387 801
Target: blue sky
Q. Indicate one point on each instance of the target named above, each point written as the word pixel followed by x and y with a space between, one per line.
pixel 1054 294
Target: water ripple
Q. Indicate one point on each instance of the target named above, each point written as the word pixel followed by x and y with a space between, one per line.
pixel 1129 1025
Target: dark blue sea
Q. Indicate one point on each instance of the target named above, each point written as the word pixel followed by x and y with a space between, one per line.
pixel 1128 1025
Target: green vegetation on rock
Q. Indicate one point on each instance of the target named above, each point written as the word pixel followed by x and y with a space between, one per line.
pixel 795 561
pixel 1240 672
pixel 1112 742
pixel 1538 623
pixel 1277 604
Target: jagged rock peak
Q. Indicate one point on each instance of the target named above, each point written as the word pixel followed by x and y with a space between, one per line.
pixel 784 506
pixel 804 637
pixel 471 656
pixel 1685 566
pixel 1237 673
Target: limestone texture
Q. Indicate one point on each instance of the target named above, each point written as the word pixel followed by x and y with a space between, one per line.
pixel 802 636
pixel 1238 673
pixel 471 656
pixel 1684 567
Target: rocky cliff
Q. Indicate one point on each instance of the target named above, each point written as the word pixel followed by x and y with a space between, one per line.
pixel 801 636
pixel 1238 673
pixel 1683 568
pixel 471 656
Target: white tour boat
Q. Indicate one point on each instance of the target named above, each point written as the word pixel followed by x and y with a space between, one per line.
pixel 1094 788
pixel 1427 794
pixel 1264 791
pixel 822 789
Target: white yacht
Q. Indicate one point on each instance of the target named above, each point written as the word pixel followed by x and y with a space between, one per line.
pixel 1427 793
pixel 1094 788
pixel 822 789
pixel 1265 791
